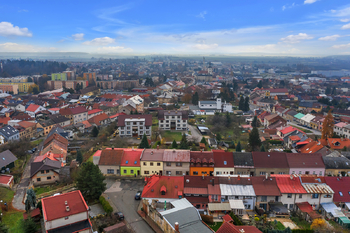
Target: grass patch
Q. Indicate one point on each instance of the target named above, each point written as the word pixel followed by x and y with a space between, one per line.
pixel 215 226
pixel 12 218
pixel 302 129
pixel 6 195
pixel 169 136
pixel 301 223
pixel 280 226
pixel 41 190
pixel 36 142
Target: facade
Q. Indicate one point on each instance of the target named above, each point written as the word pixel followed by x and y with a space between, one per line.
pixel 210 105
pixel 33 109
pixel 306 164
pixel 110 160
pixel 75 114
pixel 22 86
pixel 202 163
pixel 9 88
pixel 45 172
pixel 270 163
pixel 173 120
pixel 224 164
pixel 9 133
pixel 134 125
pixel 136 102
pixel 94 112
pixel 152 162
pixel 176 162
pixel 69 84
pixel 59 76
pixel 130 163
pixel 336 166
pixel 266 190
pixel 66 212
pixel 243 163
pixel 90 76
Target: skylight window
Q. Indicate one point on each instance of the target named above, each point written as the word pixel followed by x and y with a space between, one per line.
pixel 225 162
pixel 341 194
pixel 127 162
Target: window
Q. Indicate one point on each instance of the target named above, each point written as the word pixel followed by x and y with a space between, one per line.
pixel 141 127
pixel 320 173
pixel 263 198
pixel 42 172
pixel 146 172
pixel 141 132
pixel 124 171
pixel 299 172
pixel 291 206
pixel 151 164
pixel 327 196
pixel 178 173
pixel 48 178
pixel 168 173
pixel 158 164
pixel 168 164
pixel 132 171
pixel 178 164
pixel 314 173
pixel 127 123
pixel 110 171
pixel 262 173
pixel 144 163
pixel 66 218
pixel 341 194
pixel 289 195
pixel 118 172
pixel 214 197
pixel 300 196
pixel 38 179
pixel 128 132
pixel 195 173
pixel 314 196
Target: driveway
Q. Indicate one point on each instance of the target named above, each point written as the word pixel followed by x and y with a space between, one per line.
pixel 122 193
pixel 196 136
pixel 21 189
pixel 315 132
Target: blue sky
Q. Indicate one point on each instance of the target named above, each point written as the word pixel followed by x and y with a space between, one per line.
pixel 300 27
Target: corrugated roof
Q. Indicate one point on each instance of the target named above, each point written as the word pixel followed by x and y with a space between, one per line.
pixel 236 204
pixel 289 184
pixel 237 190
pixel 219 206
pixel 318 188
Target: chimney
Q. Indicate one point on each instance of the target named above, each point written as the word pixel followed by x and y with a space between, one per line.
pixel 132 148
pixel 174 151
pixel 151 152
pixel 67 208
pixel 66 202
pixel 202 177
pixel 177 227
pixel 112 148
pixel 157 147
pixel 267 175
pixel 212 181
pixel 291 177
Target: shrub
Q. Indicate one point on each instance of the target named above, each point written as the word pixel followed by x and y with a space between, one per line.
pixel 105 205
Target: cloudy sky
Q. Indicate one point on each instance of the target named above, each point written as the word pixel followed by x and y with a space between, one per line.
pixel 299 27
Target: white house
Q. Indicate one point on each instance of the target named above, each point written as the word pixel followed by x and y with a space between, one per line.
pixel 33 109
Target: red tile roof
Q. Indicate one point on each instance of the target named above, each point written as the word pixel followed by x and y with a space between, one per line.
pixel 54 207
pixel 270 160
pixel 338 143
pixel 265 187
pixel 202 157
pixel 131 158
pixel 32 108
pixel 116 115
pixel 148 119
pixel 97 119
pixel 289 184
pixel 223 159
pixel 26 124
pixel 227 218
pixel 93 111
pixel 5 179
pixel 311 147
pixel 301 160
pixel 294 138
pixel 307 208
pixel 339 184
pixel 111 157
pixel 227 227
pixel 173 185
pixel 4 120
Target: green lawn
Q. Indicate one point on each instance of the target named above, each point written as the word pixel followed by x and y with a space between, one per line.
pixel 41 190
pixel 169 136
pixel 90 159
pixel 280 226
pixel 36 142
pixel 301 223
pixel 12 218
pixel 215 226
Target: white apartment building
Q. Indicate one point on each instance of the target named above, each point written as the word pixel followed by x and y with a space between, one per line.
pixel 134 125
pixel 173 120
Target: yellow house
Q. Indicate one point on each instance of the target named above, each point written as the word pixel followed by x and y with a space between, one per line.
pixel 152 162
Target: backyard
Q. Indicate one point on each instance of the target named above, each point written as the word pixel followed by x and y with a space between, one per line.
pixel 170 136
pixel 11 218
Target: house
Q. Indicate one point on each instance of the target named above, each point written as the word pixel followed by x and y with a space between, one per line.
pixel 9 133
pixel 45 172
pixel 298 116
pixel 7 160
pixel 94 112
pixel 300 163
pixel 306 120
pixel 136 102
pixel 266 190
pixel 201 163
pixel 209 106
pixel 196 191
pixel 75 114
pixel 66 212
pixel 110 161
pixel 33 109
pixel 30 129
pixel 227 227
pixel 176 162
pixel 56 144
pixel 152 162
pixel 272 119
pixel 6 181
pixel 243 163
pixel 336 166
pixel 172 120
pixel 341 188
pixel 290 115
pixel 312 147
pixel 134 125
pixel 270 162
pixel 224 164
pixel 100 120
pixel 291 189
pixel 130 163
pixel 17 107
pixel 163 188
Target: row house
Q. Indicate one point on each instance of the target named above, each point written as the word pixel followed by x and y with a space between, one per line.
pixel 176 162
pixel 130 162
pixel 201 163
pixel 308 164
pixel 152 162
pixel 336 166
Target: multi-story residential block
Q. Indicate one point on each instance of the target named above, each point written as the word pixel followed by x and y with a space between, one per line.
pixel 176 162
pixel 173 120
pixel 76 114
pixel 59 76
pixel 9 88
pixel 70 75
pixel 90 77
pixel 134 125
pixel 152 162
pixel 66 212
pixel 21 86
pixel 69 84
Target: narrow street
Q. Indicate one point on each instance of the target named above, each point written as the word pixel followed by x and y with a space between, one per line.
pixel 196 136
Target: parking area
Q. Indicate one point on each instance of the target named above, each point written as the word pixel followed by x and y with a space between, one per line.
pixel 122 194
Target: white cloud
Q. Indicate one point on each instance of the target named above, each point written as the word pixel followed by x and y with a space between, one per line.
pixel 292 39
pixel 344 20
pixel 14 47
pixel 115 49
pixel 205 46
pixel 78 36
pixel 341 46
pixel 287 6
pixel 202 15
pixel 341 13
pixel 310 1
pixel 8 29
pixel 346 26
pixel 329 38
pixel 100 41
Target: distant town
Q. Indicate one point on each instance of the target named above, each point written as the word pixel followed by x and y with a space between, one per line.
pixel 175 144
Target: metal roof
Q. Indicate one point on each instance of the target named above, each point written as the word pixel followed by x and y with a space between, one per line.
pixel 333 209
pixel 219 206
pixel 318 188
pixel 178 205
pixel 237 190
pixel 307 118
pixel 236 204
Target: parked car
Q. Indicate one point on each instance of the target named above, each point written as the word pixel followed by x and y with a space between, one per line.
pixel 119 215
pixel 138 195
pixel 30 152
pixel 34 149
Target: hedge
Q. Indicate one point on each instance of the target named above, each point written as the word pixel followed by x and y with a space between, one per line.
pixel 105 205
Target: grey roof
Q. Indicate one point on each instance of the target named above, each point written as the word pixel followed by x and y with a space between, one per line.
pixel 243 159
pixel 8 131
pixel 6 157
pixel 58 118
pixel 57 130
pixel 336 162
pixel 292 113
pixel 46 164
pixel 207 102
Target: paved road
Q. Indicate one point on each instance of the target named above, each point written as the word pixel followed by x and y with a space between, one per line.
pixel 315 132
pixel 122 193
pixel 21 189
pixel 195 134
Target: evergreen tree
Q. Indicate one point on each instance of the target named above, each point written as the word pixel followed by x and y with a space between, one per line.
pixel 218 137
pixel 254 139
pixel 174 145
pixel 144 142
pixel 238 147
pixel 29 226
pixel 204 141
pixel 228 119
pixel 195 98
pixel 246 104
pixel 241 103
pixel 31 199
pixel 90 181
pixel 94 132
pixel 79 157
pixel 184 142
pixel 255 121
pixel 262 148
pixel 259 84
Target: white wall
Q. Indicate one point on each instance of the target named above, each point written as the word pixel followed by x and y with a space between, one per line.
pixel 62 221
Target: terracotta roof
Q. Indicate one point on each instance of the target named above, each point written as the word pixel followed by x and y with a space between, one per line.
pixel 340 186
pixel 227 218
pixel 223 159
pixel 290 129
pixel 97 119
pixel 121 119
pixel 54 207
pixel 56 137
pixel 94 111
pixel 26 124
pixel 311 147
pixel 173 184
pixel 202 157
pixel 131 158
pixel 116 115
pixel 200 191
pixel 198 181
pixel 214 189
pixel 294 138
pixel 32 108
pixel 4 120
pixel 338 143
pixel 289 184
pixel 227 227
pixel 301 160
pixel 176 156
pixel 265 187
pixel 78 110
pixel 270 160
pixel 111 157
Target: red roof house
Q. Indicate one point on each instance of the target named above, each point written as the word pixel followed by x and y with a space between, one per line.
pixel 340 186
pixel 163 188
